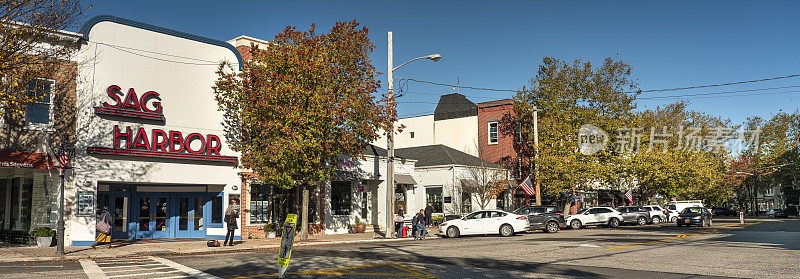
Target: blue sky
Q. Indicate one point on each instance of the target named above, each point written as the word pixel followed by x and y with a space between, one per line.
pixel 485 44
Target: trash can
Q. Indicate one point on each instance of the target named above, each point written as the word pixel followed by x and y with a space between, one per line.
pixel 405 231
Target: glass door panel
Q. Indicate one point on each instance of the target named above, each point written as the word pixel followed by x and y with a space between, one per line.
pixel 119 215
pixel 145 220
pixel 198 213
pixel 183 214
pixel 160 212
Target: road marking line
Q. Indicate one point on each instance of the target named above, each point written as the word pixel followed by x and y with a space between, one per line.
pixel 188 270
pixel 139 274
pixel 92 270
pixel 342 271
pixel 129 266
pixel 137 269
pixel 680 236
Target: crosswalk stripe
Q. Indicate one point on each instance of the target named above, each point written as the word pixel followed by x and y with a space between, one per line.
pixel 188 270
pixel 143 267
pixel 92 270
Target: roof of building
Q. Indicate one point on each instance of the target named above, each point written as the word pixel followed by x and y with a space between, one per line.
pixel 372 150
pixel 441 155
pixel 454 106
pixel 496 103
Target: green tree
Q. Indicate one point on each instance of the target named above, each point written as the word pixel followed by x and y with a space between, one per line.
pixel 568 95
pixel 300 103
pixel 32 48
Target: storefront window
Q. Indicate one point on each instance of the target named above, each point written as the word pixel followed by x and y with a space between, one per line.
pixel 340 197
pixel 466 203
pixel 433 196
pixel 400 198
pixel 216 210
pixel 259 203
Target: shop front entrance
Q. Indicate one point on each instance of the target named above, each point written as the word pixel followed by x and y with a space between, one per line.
pixel 165 214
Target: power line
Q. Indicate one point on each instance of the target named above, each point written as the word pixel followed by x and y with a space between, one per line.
pixel 642 91
pixel 130 50
pixel 716 93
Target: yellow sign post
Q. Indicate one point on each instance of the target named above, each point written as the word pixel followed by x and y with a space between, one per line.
pixel 287 239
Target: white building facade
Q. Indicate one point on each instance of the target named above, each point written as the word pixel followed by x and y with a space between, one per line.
pixel 151 146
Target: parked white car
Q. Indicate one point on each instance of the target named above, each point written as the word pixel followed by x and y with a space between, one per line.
pixel 657 213
pixel 595 216
pixel 485 222
pixel 674 208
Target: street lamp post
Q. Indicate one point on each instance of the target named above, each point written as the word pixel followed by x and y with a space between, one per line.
pixel 66 151
pixel 390 136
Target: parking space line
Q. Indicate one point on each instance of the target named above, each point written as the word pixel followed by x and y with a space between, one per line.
pixel 684 235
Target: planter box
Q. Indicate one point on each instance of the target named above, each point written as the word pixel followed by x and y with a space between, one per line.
pixel 361 228
pixel 44 241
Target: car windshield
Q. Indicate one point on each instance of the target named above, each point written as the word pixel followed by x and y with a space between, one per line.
pixel 671 207
pixel 692 210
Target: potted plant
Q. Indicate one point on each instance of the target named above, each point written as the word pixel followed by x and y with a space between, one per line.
pixel 44 236
pixel 360 226
pixel 270 230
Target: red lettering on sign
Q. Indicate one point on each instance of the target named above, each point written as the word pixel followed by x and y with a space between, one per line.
pixel 213 149
pixel 125 136
pixel 159 140
pixel 175 137
pixel 115 93
pixel 131 101
pixel 156 104
pixel 141 140
pixel 188 143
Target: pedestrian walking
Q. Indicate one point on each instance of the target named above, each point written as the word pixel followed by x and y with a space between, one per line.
pixel 398 221
pixel 419 224
pixel 429 215
pixel 103 228
pixel 231 214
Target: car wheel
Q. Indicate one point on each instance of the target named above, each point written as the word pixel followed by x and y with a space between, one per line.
pixel 674 219
pixel 506 230
pixel 551 227
pixel 575 224
pixel 614 222
pixel 452 232
pixel 641 221
pixel 656 220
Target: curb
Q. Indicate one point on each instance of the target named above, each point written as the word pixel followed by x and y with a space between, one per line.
pixel 229 250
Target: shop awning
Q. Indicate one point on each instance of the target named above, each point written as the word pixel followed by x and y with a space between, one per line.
pixel 404 179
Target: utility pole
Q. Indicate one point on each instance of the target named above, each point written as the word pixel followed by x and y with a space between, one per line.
pixel 390 147
pixel 536 155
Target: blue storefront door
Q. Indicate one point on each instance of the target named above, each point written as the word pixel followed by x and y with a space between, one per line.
pixel 191 221
pixel 153 212
pixel 122 226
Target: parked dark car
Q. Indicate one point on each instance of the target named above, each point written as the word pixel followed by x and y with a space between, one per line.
pixel 695 215
pixel 723 211
pixel 634 215
pixel 546 218
pixel 777 213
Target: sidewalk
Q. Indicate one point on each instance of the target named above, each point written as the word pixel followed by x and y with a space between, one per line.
pixel 152 247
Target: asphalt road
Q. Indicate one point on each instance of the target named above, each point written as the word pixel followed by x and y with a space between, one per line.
pixel 767 249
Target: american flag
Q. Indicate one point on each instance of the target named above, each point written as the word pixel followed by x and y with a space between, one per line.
pixel 526 186
pixel 629 195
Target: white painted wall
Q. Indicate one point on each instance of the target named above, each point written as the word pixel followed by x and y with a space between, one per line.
pixel 188 103
pixel 459 133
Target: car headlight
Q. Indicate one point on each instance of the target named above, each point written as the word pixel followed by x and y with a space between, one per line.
pixel 698 217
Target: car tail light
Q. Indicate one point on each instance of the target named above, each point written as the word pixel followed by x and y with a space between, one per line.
pixel 560 213
pixel 522 218
pixel 664 212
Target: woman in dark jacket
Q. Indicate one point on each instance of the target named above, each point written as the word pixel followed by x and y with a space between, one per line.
pixel 231 214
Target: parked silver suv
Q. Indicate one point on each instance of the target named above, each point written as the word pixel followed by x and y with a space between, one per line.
pixel 657 213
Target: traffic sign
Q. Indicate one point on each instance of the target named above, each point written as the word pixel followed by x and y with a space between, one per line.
pixel 287 239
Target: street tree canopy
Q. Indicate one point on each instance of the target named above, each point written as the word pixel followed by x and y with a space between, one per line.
pixel 301 102
pixel 31 47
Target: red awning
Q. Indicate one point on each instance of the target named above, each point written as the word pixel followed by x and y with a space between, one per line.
pixel 25 160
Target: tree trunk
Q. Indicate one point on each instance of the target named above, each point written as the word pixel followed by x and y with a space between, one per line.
pixel 304 210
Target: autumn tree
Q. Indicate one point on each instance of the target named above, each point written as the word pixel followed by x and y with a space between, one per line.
pixel 32 47
pixel 301 102
pixel 568 95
